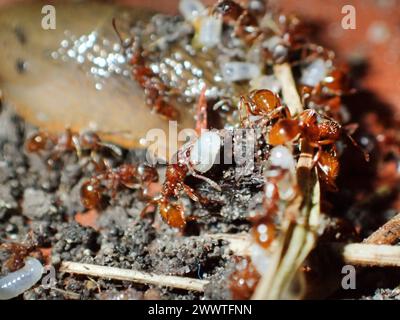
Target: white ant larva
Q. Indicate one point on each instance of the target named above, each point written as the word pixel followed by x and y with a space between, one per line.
pixel 16 283
pixel 202 154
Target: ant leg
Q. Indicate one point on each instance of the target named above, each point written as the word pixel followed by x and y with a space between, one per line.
pixel 326 142
pixel 191 193
pixel 153 202
pixel 329 182
pixel 354 142
pixel 208 180
pixel 112 147
pixel 114 186
pixel 317 155
pixel 274 113
pixel 244 112
pixel 201 113
pixel 77 146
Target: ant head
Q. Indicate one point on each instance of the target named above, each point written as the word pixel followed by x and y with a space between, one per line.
pixel 264 101
pixel 37 142
pixel 89 140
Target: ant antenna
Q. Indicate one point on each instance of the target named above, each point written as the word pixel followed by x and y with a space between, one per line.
pixel 349 130
pixel 201 112
pixel 124 44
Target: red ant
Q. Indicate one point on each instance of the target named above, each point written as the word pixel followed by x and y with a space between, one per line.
pixel 318 132
pixel 280 185
pixel 289 42
pixel 244 279
pixel 127 175
pixel 154 89
pixel 69 141
pixel 188 162
pixel 18 253
pixel 264 105
pixel 244 22
pixel 327 94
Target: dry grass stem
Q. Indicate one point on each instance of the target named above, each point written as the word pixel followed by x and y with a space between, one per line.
pixel 134 276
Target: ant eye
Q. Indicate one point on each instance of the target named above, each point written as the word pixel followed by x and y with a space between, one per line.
pixel 205 151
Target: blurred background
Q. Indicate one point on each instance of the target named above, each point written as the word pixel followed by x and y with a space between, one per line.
pixel 373 48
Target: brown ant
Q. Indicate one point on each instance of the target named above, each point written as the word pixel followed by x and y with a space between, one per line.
pixel 127 175
pixel 327 94
pixel 18 252
pixel 70 141
pixel 261 105
pixel 187 163
pixel 318 132
pixel 244 22
pixel 155 90
pixel 244 279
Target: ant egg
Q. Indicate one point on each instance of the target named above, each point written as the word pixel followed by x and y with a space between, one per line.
pixel 239 71
pixel 259 258
pixel 16 283
pixel 205 151
pixel 210 31
pixel 314 73
pixel 282 157
pixel 285 187
pixel 191 9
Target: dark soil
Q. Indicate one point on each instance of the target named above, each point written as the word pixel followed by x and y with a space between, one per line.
pixel 39 203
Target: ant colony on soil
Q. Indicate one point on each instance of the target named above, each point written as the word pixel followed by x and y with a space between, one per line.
pixel 264 202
